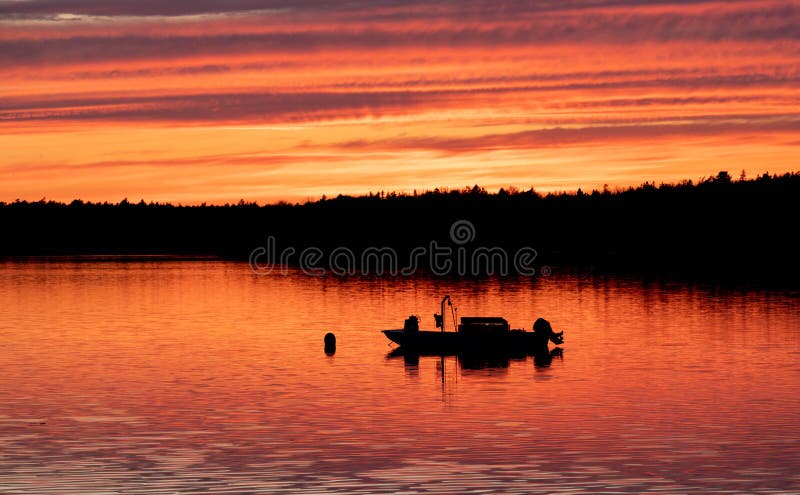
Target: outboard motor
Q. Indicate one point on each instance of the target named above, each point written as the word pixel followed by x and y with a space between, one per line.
pixel 411 324
pixel 543 329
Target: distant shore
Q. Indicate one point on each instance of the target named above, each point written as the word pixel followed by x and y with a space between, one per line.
pixel 718 227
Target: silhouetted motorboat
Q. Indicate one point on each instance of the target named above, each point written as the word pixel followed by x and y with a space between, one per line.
pixel 473 333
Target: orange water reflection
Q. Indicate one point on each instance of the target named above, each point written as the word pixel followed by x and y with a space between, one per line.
pixel 201 377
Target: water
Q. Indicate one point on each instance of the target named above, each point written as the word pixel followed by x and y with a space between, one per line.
pixel 199 377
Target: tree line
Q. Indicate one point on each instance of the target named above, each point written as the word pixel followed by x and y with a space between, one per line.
pixel 721 226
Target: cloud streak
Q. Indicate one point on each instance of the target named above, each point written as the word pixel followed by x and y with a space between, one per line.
pixel 773 25
pixel 319 105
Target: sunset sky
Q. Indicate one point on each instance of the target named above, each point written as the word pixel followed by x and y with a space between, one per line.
pixel 200 100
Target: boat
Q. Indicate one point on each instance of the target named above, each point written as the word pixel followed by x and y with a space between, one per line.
pixel 473 333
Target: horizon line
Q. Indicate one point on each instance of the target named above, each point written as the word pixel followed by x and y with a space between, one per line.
pixel 510 190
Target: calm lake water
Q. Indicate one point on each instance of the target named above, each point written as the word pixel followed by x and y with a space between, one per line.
pixel 200 377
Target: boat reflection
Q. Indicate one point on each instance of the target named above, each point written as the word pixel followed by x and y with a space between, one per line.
pixel 543 359
pixel 476 360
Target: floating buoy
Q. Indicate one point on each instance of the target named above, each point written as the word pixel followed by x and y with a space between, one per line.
pixel 330 343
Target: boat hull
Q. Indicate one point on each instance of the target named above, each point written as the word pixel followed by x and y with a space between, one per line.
pixel 431 341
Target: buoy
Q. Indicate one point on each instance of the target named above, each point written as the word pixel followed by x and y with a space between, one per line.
pixel 330 343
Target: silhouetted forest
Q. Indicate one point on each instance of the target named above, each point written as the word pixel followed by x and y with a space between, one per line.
pixel 738 229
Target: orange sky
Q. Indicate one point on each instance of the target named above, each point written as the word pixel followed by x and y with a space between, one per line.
pixel 191 101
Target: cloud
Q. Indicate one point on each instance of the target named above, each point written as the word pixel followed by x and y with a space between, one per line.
pixel 695 127
pixel 393 9
pixel 300 106
pixel 431 27
pixel 132 7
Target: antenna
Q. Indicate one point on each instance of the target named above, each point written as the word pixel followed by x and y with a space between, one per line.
pixel 445 298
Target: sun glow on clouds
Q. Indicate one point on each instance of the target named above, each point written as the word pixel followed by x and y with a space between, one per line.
pixel 267 100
